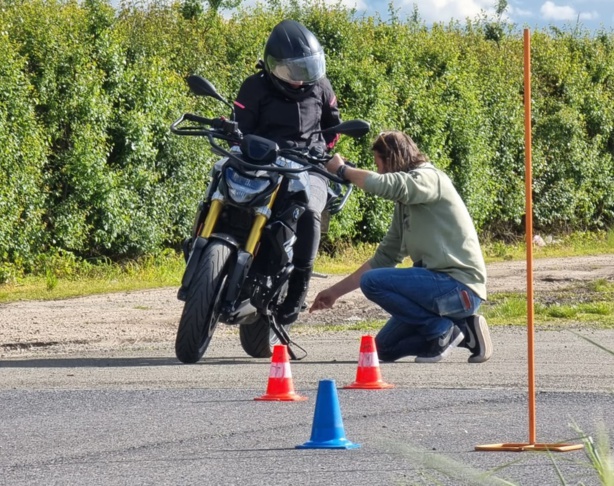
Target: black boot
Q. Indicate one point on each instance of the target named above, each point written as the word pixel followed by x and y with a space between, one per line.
pixel 298 284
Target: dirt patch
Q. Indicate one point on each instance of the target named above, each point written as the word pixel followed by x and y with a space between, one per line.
pixel 149 318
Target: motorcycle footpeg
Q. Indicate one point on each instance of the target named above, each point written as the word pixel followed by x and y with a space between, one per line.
pixel 267 287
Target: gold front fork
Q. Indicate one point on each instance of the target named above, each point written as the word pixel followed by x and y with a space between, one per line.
pixel 211 219
pixel 259 222
pixel 257 227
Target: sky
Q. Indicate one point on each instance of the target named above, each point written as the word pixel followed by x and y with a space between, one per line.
pixel 592 15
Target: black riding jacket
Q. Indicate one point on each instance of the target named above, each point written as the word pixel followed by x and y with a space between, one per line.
pixel 261 109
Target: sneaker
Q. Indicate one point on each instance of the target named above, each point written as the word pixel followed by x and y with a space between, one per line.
pixel 477 340
pixel 440 348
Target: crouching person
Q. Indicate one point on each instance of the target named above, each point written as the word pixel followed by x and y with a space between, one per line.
pixel 433 305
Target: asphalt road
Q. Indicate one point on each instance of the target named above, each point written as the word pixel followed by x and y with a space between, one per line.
pixel 141 418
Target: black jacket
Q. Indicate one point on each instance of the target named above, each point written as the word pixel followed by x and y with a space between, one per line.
pixel 261 109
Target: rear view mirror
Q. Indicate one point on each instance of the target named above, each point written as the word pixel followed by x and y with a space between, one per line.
pixel 202 87
pixel 352 128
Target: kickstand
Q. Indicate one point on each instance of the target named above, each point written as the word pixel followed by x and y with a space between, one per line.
pixel 284 338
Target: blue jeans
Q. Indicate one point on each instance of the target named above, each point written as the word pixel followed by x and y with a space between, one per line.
pixel 423 306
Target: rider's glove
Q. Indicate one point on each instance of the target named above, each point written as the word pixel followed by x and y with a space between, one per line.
pixel 317 152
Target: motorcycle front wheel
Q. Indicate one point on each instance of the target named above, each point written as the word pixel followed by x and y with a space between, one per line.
pixel 258 339
pixel 201 311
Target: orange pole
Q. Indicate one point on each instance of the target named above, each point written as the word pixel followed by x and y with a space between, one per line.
pixel 531 445
pixel 529 231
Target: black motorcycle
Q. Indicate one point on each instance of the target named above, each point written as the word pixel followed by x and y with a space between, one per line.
pixel 239 256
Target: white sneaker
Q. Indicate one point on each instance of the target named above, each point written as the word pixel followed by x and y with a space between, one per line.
pixel 478 339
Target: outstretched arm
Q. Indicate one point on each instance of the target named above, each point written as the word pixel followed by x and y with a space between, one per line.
pixel 327 298
pixel 352 174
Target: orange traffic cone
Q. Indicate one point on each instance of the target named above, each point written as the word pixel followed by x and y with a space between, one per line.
pixel 368 375
pixel 280 387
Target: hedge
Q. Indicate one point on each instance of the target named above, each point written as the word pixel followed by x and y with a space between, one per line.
pixel 87 93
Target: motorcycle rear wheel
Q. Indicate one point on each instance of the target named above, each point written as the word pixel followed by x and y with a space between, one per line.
pixel 201 311
pixel 258 339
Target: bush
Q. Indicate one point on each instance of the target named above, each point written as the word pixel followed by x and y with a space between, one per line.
pixel 87 95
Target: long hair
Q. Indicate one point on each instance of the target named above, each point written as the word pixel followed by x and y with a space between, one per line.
pixel 398 151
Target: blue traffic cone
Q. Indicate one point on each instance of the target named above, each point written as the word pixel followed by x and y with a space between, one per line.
pixel 327 430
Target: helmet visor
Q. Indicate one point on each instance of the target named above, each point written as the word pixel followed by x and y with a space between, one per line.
pixel 302 70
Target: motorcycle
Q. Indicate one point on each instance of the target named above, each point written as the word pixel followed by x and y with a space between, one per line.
pixel 239 255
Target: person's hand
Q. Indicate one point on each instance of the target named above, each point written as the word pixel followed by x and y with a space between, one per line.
pixel 333 164
pixel 324 300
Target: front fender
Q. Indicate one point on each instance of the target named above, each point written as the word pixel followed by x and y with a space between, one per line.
pixel 194 260
pixel 236 279
pixel 191 266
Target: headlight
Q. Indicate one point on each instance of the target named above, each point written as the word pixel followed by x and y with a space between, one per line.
pixel 243 189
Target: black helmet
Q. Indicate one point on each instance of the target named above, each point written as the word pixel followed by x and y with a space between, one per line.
pixel 294 58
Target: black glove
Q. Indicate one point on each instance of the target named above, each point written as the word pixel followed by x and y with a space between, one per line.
pixel 317 152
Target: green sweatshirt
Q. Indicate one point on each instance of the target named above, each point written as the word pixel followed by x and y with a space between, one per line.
pixel 430 224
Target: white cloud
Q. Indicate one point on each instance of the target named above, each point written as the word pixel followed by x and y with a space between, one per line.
pixel 357 4
pixel 589 15
pixel 444 10
pixel 551 11
pixel 518 12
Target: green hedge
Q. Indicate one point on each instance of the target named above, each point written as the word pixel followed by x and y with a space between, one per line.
pixel 87 94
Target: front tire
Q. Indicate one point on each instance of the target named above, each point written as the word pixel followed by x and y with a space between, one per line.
pixel 201 311
pixel 258 339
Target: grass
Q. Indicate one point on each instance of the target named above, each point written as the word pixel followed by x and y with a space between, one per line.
pixel 63 276
pixel 61 279
pixel 369 326
pixel 575 244
pixel 347 258
pixel 591 303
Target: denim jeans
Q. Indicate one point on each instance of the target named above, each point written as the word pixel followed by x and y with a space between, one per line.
pixel 423 306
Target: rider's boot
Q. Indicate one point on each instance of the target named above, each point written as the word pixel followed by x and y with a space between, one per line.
pixel 298 284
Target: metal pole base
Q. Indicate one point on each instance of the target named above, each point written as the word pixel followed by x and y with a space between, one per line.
pixel 518 447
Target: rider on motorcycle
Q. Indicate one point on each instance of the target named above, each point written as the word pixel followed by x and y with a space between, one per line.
pixel 289 98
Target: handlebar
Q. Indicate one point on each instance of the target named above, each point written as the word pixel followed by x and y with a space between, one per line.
pixel 222 129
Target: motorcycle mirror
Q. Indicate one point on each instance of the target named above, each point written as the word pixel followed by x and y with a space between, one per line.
pixel 202 87
pixel 352 128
